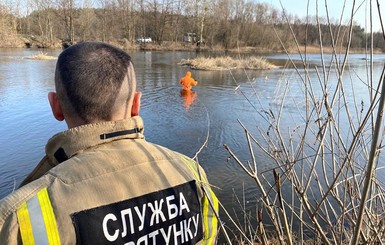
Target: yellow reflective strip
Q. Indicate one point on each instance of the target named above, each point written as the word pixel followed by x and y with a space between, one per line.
pixel 214 219
pixel 25 225
pixel 210 221
pixel 206 226
pixel 49 217
pixel 210 218
pixel 194 170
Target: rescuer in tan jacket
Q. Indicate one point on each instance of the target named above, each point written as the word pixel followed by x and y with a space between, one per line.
pixel 100 181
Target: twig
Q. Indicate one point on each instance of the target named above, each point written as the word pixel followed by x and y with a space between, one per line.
pixel 372 158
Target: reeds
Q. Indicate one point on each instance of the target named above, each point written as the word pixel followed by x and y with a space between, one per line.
pixel 41 56
pixel 326 159
pixel 227 63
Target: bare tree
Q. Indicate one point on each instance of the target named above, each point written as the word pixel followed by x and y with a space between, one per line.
pixel 86 19
pixel 104 16
pixel 128 18
pixel 233 23
pixel 43 20
pixel 10 23
pixel 160 18
pixel 67 13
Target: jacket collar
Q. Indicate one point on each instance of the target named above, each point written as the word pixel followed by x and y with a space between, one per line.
pixel 66 144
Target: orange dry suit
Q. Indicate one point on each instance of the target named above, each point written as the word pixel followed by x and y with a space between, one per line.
pixel 187 81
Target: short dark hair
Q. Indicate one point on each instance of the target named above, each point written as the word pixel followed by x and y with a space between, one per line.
pixel 88 79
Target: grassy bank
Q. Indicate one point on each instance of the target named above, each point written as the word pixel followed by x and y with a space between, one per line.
pixel 227 63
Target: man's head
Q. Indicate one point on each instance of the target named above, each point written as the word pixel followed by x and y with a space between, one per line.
pixel 94 82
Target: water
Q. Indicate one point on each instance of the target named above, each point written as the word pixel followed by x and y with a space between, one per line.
pixel 171 120
pixel 26 122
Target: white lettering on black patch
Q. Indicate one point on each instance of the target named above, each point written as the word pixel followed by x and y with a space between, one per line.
pixel 170 216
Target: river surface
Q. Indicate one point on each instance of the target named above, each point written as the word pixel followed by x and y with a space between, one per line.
pixel 178 122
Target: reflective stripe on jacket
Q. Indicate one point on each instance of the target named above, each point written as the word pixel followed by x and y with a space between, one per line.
pixel 37 222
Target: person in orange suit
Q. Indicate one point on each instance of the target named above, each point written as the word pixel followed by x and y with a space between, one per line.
pixel 187 81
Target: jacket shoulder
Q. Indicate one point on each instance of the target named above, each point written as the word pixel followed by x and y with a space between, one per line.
pixel 10 203
pixel 42 168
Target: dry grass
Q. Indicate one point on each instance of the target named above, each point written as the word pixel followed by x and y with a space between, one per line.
pixel 326 173
pixel 227 63
pixel 41 56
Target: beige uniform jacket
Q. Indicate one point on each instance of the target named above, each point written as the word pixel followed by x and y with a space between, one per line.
pixel 104 184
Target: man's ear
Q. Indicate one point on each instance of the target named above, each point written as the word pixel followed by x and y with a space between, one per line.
pixel 55 106
pixel 136 104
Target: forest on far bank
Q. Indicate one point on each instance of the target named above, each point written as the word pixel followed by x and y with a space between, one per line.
pixel 218 24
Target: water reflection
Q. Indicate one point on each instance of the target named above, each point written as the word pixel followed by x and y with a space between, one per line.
pixel 188 97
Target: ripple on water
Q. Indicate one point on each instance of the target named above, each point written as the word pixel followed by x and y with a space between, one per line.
pixel 168 122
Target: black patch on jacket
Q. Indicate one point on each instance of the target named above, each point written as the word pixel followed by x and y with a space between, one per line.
pixel 60 155
pixel 170 216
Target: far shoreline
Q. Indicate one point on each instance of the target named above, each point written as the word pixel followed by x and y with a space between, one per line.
pixel 180 46
pixel 311 49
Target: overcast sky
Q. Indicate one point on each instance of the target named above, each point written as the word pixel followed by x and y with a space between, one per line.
pixel 335 8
